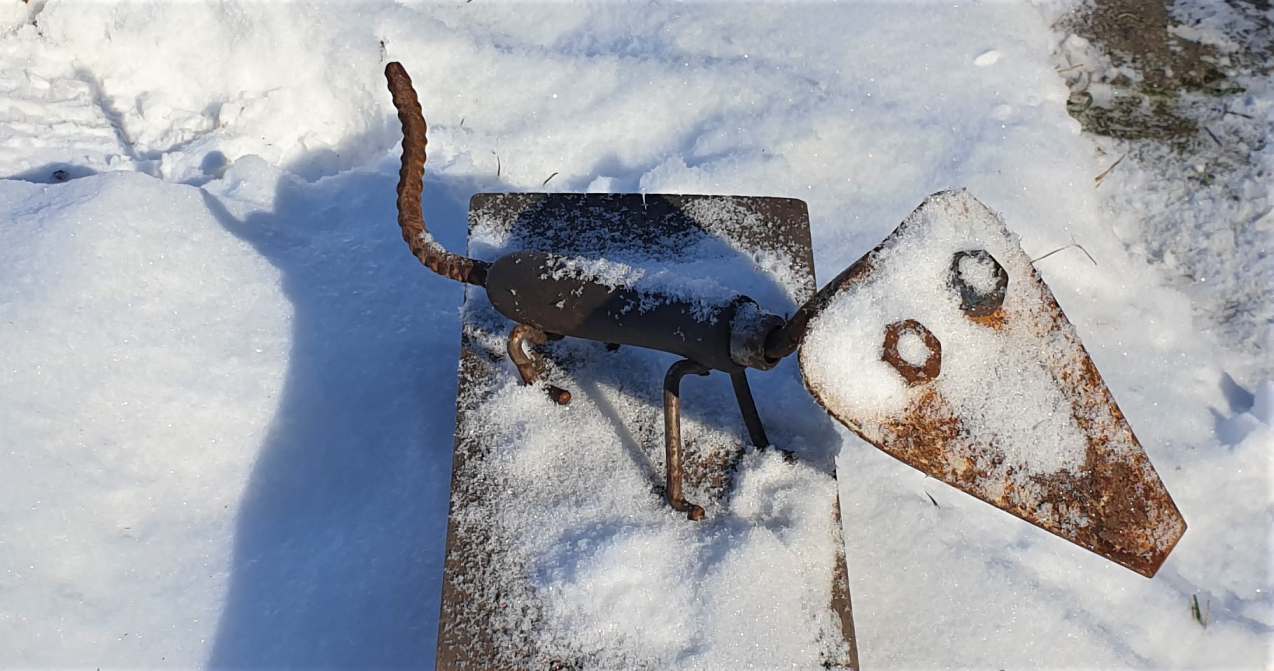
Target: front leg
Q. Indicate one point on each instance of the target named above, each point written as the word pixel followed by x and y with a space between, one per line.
pixel 672 435
pixel 529 363
pixel 747 406
pixel 752 418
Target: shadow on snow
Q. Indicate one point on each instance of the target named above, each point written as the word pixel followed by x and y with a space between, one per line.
pixel 340 535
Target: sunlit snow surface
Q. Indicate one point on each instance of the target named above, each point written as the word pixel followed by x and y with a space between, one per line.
pixel 226 411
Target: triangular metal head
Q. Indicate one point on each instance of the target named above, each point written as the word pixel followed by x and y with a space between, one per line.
pixel 944 348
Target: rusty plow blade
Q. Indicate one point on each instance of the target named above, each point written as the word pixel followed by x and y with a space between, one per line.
pixel 944 348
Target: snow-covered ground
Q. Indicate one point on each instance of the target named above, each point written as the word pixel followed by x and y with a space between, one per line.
pixel 1198 204
pixel 227 390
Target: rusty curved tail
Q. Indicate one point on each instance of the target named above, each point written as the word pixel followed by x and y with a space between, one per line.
pixel 411 183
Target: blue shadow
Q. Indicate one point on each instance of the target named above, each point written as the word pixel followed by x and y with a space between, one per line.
pixel 340 535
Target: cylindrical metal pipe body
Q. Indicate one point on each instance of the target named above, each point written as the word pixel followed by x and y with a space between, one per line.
pixel 544 291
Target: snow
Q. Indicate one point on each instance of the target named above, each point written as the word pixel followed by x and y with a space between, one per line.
pixel 617 576
pixel 912 349
pixel 1201 210
pixel 977 272
pixel 228 390
pixel 700 270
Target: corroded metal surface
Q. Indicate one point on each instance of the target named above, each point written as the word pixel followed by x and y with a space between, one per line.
pixel 537 288
pixel 978 301
pixel 411 182
pixel 673 448
pixel 1111 502
pixel 529 364
pixel 913 373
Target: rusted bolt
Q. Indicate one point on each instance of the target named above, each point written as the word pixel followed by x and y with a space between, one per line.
pixel 980 280
pixel 913 351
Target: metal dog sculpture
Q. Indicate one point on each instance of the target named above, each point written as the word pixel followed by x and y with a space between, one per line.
pixel 1110 502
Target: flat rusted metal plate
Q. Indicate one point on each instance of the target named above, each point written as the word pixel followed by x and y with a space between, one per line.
pixel 493 613
pixel 922 349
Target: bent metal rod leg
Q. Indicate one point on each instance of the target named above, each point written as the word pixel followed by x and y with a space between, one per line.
pixel 747 406
pixel 529 363
pixel 672 435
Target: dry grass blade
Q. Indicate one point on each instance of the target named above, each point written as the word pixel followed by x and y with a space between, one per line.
pixel 1073 243
pixel 1098 179
pixel 1200 613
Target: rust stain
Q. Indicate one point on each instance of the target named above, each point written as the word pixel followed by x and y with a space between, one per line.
pixel 913 374
pixel 996 320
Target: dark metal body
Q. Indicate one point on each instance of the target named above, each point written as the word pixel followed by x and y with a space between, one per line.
pixel 530 288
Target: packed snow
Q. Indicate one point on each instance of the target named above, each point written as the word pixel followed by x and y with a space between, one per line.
pixel 227 398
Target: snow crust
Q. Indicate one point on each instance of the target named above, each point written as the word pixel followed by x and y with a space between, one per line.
pixel 226 412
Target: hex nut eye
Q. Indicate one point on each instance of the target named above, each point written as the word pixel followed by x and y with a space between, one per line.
pixel 980 280
pixel 913 351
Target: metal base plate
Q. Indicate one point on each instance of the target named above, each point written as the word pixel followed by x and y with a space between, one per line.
pixel 767 241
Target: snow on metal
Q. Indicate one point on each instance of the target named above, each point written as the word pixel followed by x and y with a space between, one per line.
pixel 1007 405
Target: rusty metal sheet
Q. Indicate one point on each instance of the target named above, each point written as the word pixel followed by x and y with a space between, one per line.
pixel 971 373
pixel 474 631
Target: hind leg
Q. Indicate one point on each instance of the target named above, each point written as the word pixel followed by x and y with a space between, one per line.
pixel 529 363
pixel 673 451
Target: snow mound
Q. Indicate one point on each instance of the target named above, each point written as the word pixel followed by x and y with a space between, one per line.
pixel 622 580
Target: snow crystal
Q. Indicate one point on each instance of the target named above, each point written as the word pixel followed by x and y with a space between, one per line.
pixel 978 272
pixel 912 348
pixel 606 272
